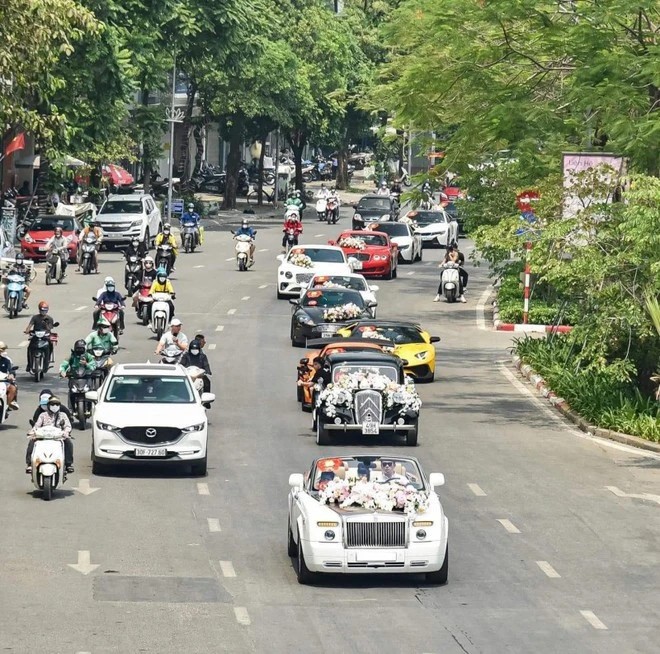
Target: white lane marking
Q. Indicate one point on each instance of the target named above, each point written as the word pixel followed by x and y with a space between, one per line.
pixel 593 620
pixel 200 266
pixel 220 328
pixel 412 272
pixel 429 263
pixel 242 616
pixel 476 489
pixel 23 343
pixel 84 488
pixel 84 566
pixel 264 286
pixel 227 569
pixel 81 308
pixel 509 526
pixel 203 489
pixel 214 525
pixel 231 312
pixel 548 569
pixel 480 309
pixel 523 390
pixel 212 346
pixel 318 235
pixel 245 297
pixel 263 250
pixel 230 259
pixel 637 496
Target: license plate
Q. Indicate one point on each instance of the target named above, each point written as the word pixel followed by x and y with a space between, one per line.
pixel 150 451
pixel 43 248
pixel 327 334
pixel 357 265
pixel 370 428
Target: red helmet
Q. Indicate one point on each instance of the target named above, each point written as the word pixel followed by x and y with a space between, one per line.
pixel 43 306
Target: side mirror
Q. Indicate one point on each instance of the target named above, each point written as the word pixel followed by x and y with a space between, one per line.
pixel 280 257
pixel 296 480
pixel 207 398
pixel 332 243
pixel 14 368
pixel 372 304
pixel 93 298
pixel 374 288
pixel 304 361
pixel 435 339
pixel 92 396
pixel 56 324
pixel 294 301
pixel 405 362
pixel 436 479
pixel 354 206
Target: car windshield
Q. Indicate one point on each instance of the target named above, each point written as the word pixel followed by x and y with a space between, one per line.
pixel 49 223
pixel 379 469
pixel 369 239
pixel 319 255
pixel 451 209
pixel 393 229
pixel 428 217
pixel 124 389
pixel 398 334
pixel 122 206
pixel 373 204
pixel 355 283
pixel 390 372
pixel 332 298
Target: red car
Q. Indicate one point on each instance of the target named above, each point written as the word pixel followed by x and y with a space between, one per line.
pixel 33 244
pixel 375 254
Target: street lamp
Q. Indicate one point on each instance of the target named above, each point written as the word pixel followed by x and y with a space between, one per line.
pixel 174 115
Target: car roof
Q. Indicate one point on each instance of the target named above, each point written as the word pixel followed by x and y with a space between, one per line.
pixel 155 369
pixel 351 274
pixel 316 246
pixel 126 197
pixel 377 322
pixel 364 357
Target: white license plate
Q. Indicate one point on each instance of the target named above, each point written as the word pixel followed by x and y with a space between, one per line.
pixel 150 451
pixel 43 248
pixel 370 428
pixel 357 265
pixel 327 334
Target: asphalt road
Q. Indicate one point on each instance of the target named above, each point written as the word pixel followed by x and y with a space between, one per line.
pixel 554 537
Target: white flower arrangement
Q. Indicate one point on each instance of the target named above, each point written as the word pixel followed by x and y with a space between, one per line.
pixel 332 285
pixel 301 260
pixel 393 495
pixel 353 242
pixel 340 393
pixel 343 312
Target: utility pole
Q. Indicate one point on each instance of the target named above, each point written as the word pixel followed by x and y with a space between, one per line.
pixel 173 116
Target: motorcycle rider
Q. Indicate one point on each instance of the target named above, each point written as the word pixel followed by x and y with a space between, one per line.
pixel 173 337
pixel 111 295
pixel 102 337
pixel 382 189
pixel 40 322
pixel 61 242
pixel 246 230
pixel 453 256
pixel 166 237
pixel 136 248
pixel 44 396
pixel 323 193
pixel 18 268
pixel 6 366
pixel 79 358
pixel 52 417
pixel 94 228
pixel 195 357
pixel 291 223
pixel 334 197
pixel 192 219
pixel 162 285
pixel 296 201
pixel 148 277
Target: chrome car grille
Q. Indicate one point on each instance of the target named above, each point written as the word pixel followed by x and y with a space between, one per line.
pixel 368 406
pixel 376 534
pixel 361 256
pixel 304 277
pixel 116 227
pixel 151 435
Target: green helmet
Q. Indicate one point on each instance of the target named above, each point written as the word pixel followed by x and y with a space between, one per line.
pixel 102 322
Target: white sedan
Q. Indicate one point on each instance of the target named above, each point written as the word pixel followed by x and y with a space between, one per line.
pixel 435 227
pixel 404 235
pixel 367 514
pixel 353 281
pixel 303 262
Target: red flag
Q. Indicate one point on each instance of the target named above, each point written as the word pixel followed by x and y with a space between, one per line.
pixel 17 143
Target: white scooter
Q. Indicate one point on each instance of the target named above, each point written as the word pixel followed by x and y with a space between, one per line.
pixel 450 281
pixel 197 376
pixel 321 206
pixel 48 471
pixel 171 354
pixel 4 405
pixel 160 313
pixel 243 245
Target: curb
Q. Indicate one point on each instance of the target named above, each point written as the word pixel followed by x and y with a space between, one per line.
pixel 513 327
pixel 562 406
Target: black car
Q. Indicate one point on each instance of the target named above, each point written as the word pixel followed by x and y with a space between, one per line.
pixel 370 411
pixel 452 211
pixel 374 208
pixel 321 311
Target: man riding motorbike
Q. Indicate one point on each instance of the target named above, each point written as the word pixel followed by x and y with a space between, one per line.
pixel 61 242
pixel 382 189
pixel 110 295
pixel 79 358
pixel 295 200
pixel 162 285
pixel 192 219
pixel 6 366
pixel 40 322
pixel 102 337
pixel 52 417
pixel 18 268
pixel 94 228
pixel 148 276
pixel 291 223
pixel 246 230
pixel 136 248
pixel 195 357
pixel 166 237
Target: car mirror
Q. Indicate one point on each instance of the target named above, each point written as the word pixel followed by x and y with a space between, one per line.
pixel 374 288
pixel 405 362
pixel 93 298
pixel 436 479
pixel 372 304
pixel 56 324
pixel 354 206
pixel 207 398
pixel 332 243
pixel 14 368
pixel 304 361
pixel 92 396
pixel 435 339
pixel 296 480
pixel 280 257
pixel 294 301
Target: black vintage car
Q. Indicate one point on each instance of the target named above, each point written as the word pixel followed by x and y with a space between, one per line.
pixel 374 208
pixel 318 312
pixel 349 399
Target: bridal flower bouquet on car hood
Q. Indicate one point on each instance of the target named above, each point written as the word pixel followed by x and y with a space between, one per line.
pixel 348 311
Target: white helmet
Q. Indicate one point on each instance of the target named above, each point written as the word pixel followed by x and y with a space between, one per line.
pixel 109 280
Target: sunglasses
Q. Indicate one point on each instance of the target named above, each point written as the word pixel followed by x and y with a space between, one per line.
pixel 387 464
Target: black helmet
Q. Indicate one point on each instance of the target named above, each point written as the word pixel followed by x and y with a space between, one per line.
pixel 20 257
pixel 79 347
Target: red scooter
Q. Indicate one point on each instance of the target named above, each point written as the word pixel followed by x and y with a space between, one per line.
pixel 144 301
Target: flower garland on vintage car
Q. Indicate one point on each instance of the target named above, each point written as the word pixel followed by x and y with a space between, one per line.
pixel 394 495
pixel 301 260
pixel 344 312
pixel 353 242
pixel 340 393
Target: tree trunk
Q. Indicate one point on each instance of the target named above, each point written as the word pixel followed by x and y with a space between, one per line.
pixel 198 134
pixel 342 182
pixel 183 167
pixel 260 183
pixel 297 141
pixel 43 192
pixel 233 162
pixel 146 155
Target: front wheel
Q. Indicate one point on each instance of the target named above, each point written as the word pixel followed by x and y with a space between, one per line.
pixel 322 434
pixel 81 414
pixel 291 547
pixel 411 436
pixel 440 576
pixel 145 315
pixel 242 265
pixel 304 575
pixel 47 488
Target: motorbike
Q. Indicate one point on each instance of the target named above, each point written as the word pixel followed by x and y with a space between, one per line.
pixel 405 177
pixel 321 205
pixel 450 282
pixel 164 257
pixel 308 174
pixel 48 471
pixel 103 365
pixel 160 313
pixel 39 351
pixel 132 271
pixel 79 383
pixel 4 404
pixel 332 210
pixel 15 294
pixel 171 354
pixel 54 267
pixel 198 375
pixel 243 244
pixel 291 239
pixel 144 301
pixel 88 254
pixel 190 237
pixel 110 311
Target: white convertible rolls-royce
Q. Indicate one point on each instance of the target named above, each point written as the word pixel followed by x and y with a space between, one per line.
pixel 367 513
pixel 303 262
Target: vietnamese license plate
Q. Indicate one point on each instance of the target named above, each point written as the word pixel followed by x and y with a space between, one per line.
pixel 43 248
pixel 327 334
pixel 370 428
pixel 357 265
pixel 150 451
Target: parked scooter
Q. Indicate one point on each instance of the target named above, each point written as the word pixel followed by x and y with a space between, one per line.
pixel 88 253
pixel 160 313
pixel 54 267
pixel 48 471
pixel 15 294
pixel 80 382
pixel 39 351
pixel 243 244
pixel 450 281
pixel 164 257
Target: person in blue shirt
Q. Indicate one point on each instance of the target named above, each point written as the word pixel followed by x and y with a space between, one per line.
pixel 192 218
pixel 110 295
pixel 248 231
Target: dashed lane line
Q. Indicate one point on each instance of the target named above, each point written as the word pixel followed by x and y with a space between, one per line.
pixel 509 526
pixel 200 266
pixel 548 569
pixel 203 489
pixel 81 308
pixel 220 328
pixel 412 272
pixel 477 490
pixel 242 616
pixel 636 496
pixel 214 525
pixel 231 312
pixel 227 568
pixel 593 620
pixel 212 346
pixel 264 286
pixel 230 259
pixel 318 235
pixel 245 297
pixel 263 250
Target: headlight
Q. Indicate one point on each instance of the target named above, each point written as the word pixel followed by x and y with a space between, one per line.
pixel 136 223
pixel 305 320
pixel 329 534
pixel 357 216
pixel 193 428
pixel 288 275
pixel 385 216
pixel 421 534
pixel 421 355
pixel 28 239
pixel 104 426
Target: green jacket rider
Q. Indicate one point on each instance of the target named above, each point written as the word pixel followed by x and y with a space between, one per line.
pixel 79 359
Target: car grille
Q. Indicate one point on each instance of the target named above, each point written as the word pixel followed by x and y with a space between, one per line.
pixel 368 406
pixel 376 534
pixel 162 435
pixel 117 227
pixel 304 277
pixel 362 256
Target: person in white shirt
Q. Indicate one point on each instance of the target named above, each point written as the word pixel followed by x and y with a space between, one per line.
pixel 173 337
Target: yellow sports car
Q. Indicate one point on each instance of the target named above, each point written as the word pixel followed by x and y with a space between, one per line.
pixel 411 343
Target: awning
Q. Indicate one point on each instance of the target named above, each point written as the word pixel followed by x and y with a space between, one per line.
pixel 34 161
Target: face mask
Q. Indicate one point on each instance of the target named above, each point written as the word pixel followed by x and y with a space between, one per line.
pixel 54 408
pixel 43 401
pixel 111 289
pixel 194 352
pixel 161 280
pixel 105 330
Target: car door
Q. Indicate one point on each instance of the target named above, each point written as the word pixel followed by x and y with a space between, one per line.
pixel 153 218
